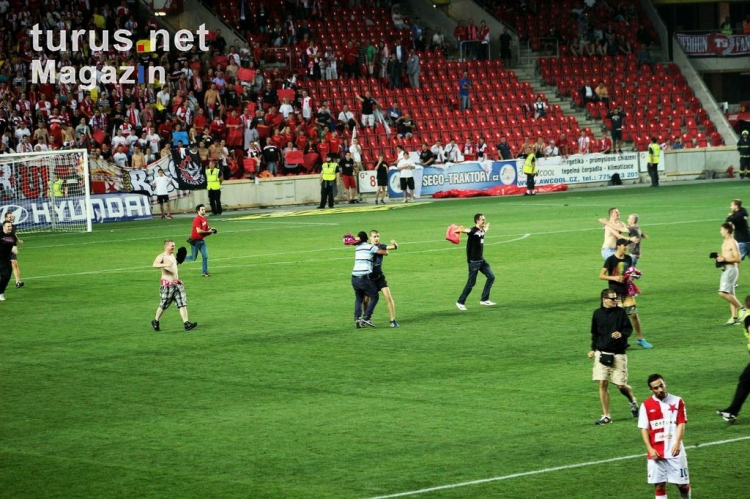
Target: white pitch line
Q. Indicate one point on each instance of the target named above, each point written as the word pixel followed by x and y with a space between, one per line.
pixel 265 264
pixel 545 470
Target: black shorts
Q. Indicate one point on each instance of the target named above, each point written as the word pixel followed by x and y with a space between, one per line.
pixel 162 198
pixel 382 180
pixel 616 135
pixel 407 182
pixel 380 281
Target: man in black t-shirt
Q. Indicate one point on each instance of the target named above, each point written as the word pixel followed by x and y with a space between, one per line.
pixel 616 115
pixel 614 271
pixel 11 217
pixel 477 263
pixel 8 247
pixel 346 167
pixel 426 157
pixel 738 218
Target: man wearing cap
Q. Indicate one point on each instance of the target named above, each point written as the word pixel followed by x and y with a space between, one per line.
pixel 743 147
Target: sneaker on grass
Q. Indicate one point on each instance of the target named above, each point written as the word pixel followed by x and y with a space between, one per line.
pixel 643 343
pixel 634 409
pixel 461 306
pixel 155 325
pixel 190 325
pixel 603 420
pixel 727 416
pixel 487 303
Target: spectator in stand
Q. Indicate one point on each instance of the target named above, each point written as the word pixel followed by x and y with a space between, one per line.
pixel 452 152
pixel 426 157
pixel 398 19
pixel 438 42
pixel 346 119
pixel 677 144
pixel 272 157
pixel 584 143
pixel 459 33
pixel 406 126
pixel 746 25
pixel 540 108
pixel 616 116
pixel 472 37
pixel 351 70
pixel 368 109
pixel 120 158
pixel 464 91
pixel 503 149
pixel 602 94
pixel 551 150
pixel 484 42
pixel 587 94
pixel 439 152
pixel 394 71
pixel 412 69
pixel 417 33
pixel 505 43
pixel 393 114
pixel 644 57
pixel 355 149
pixel 371 53
pixel 605 145
pixel 539 146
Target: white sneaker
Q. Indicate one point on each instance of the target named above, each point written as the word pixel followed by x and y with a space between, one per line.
pixel 461 306
pixel 742 313
pixel 2 298
pixel 487 303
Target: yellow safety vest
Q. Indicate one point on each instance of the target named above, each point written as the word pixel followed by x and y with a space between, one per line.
pixel 57 188
pixel 726 28
pixel 529 167
pixel 654 150
pixel 212 178
pixel 328 171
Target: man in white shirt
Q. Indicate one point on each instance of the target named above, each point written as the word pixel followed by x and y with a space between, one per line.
pixel 452 152
pixel 346 118
pixel 120 158
pixel 286 109
pixel 439 152
pixel 154 139
pixel 161 189
pixel 551 149
pixel 356 151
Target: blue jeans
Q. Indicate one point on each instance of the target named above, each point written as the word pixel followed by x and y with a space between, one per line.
pixel 474 268
pixel 744 250
pixel 199 245
pixel 465 103
pixel 271 167
pixel 364 286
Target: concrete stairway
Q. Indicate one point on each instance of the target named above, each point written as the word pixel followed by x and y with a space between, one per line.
pixel 525 69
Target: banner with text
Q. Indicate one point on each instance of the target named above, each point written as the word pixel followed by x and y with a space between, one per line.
pixel 469 175
pixel 104 208
pixel 581 168
pixel 714 44
pixel 108 178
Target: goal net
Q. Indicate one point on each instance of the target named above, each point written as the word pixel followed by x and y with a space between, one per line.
pixel 47 191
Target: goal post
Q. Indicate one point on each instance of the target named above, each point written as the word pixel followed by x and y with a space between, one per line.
pixel 48 191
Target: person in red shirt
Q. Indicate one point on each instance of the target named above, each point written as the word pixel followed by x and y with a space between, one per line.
pixel 197 240
pixel 234 130
pixel 218 128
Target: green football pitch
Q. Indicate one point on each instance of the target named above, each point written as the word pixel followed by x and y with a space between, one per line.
pixel 277 395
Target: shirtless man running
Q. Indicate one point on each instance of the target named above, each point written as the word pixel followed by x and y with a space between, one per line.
pixel 729 258
pixel 612 229
pixel 171 289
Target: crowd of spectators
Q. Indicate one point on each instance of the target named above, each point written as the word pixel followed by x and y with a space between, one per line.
pixel 223 104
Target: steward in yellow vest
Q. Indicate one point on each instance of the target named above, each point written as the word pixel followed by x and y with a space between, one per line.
pixel 529 169
pixel 213 184
pixel 654 151
pixel 329 173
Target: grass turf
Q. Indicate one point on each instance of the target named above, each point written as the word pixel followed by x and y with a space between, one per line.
pixel 275 394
